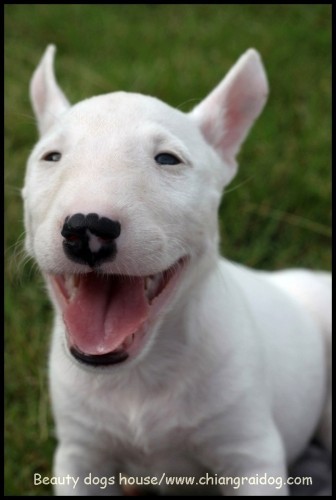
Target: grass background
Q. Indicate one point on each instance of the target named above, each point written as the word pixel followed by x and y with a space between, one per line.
pixel 276 213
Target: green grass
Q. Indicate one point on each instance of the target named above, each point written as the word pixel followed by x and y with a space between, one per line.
pixel 276 213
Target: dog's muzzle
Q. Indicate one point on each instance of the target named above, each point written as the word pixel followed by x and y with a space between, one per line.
pixel 90 239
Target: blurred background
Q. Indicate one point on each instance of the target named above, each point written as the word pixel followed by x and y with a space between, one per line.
pixel 276 213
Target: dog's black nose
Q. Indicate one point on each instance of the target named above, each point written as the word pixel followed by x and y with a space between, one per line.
pixel 90 239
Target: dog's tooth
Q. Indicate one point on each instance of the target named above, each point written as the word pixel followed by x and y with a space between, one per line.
pixel 72 283
pixel 153 283
pixel 128 341
pixel 69 282
pixel 72 280
pixel 150 287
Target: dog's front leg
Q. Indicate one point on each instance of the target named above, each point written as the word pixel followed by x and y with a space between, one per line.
pixel 83 471
pixel 243 465
pixel 266 480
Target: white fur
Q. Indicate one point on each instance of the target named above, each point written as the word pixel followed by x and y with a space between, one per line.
pixel 233 379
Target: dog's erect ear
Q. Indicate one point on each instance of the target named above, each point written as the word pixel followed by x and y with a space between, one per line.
pixel 47 99
pixel 227 114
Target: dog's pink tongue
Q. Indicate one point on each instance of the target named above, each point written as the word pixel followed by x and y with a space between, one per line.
pixel 104 312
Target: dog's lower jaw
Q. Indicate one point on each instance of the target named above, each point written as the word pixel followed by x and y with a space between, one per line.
pixel 110 358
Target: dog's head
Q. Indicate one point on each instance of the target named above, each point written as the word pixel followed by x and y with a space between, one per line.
pixel 121 197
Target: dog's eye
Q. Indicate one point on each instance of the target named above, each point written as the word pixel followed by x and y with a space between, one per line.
pixel 53 156
pixel 167 159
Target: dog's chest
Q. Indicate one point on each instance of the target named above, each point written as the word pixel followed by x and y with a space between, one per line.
pixel 144 431
pixel 154 439
pixel 144 427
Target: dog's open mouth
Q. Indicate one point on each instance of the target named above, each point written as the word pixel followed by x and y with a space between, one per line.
pixel 107 316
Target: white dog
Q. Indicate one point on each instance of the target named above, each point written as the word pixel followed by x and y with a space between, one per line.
pixel 168 363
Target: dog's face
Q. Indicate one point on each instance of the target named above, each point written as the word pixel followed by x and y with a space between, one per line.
pixel 121 197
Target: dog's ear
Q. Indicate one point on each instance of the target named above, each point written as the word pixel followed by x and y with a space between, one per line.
pixel 47 99
pixel 227 113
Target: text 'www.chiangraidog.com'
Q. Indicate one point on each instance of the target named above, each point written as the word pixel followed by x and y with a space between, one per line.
pixel 124 480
